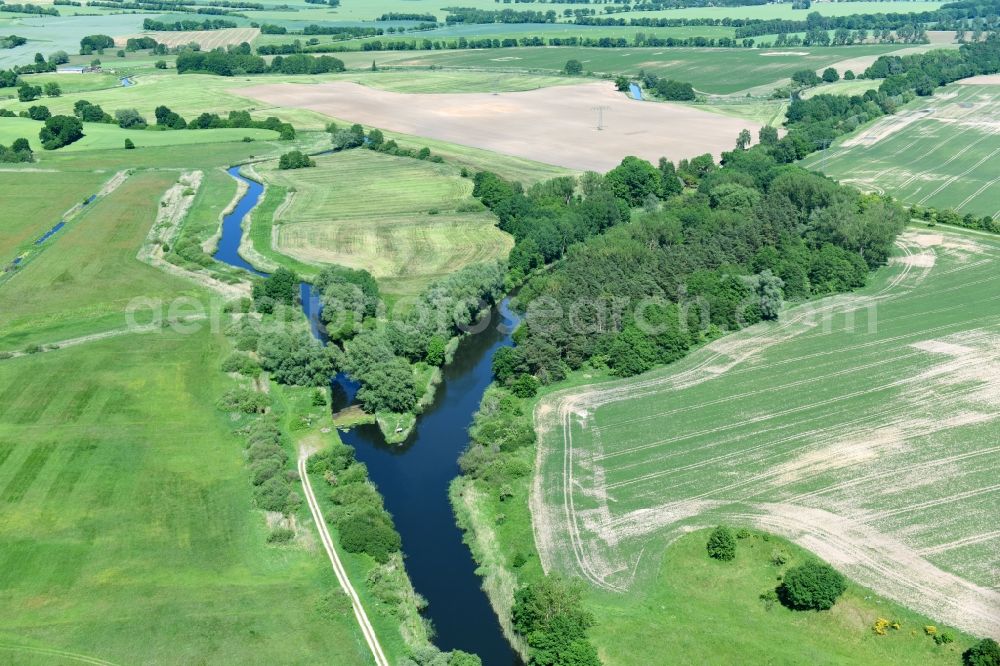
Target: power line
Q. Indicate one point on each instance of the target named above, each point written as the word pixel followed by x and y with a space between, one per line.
pixel 600 115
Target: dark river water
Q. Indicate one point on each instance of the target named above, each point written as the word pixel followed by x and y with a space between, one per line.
pixel 413 477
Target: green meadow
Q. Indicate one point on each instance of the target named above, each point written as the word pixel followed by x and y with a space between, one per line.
pixel 128 533
pixel 699 610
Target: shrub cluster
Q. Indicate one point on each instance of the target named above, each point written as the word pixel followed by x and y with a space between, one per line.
pixel 549 614
pixel 244 400
pixel 363 524
pixel 19 151
pixel 295 159
pixel 267 461
pixel 500 428
pixel 60 131
pixel 811 586
pixel 171 120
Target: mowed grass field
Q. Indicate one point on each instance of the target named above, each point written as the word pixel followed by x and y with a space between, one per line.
pixel 406 221
pixel 863 427
pixel 128 534
pixel 943 151
pixel 719 71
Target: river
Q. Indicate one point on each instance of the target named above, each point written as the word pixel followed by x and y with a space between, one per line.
pixel 414 477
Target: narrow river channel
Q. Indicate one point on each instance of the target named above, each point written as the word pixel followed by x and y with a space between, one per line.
pixel 413 477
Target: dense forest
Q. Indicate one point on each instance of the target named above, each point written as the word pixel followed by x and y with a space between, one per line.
pixel 687 267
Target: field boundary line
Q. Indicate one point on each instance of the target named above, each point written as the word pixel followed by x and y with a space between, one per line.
pixel 52 652
pixel 338 568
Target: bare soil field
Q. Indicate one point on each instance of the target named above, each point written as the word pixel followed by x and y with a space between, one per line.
pixel 207 39
pixel 981 80
pixel 551 125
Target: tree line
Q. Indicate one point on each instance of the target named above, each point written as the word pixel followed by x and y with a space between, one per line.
pixel 28 8
pixel 187 25
pixel 238 61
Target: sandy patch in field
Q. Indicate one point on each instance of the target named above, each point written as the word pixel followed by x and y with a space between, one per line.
pixel 941 36
pixel 923 260
pixel 941 347
pixel 981 80
pixel 207 39
pixel 550 125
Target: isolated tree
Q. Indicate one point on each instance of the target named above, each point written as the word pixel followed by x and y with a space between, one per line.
pixel 52 89
pixel 573 67
pixel 849 75
pixel 830 75
pixel 743 140
pixel 39 112
pixel 984 653
pixel 129 145
pixel 721 544
pixel 160 64
pixel 812 586
pixel 28 93
pixel 805 77
pixel 129 119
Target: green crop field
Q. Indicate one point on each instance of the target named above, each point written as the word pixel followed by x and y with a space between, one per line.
pixel 941 151
pixel 426 223
pixel 863 427
pixel 709 70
